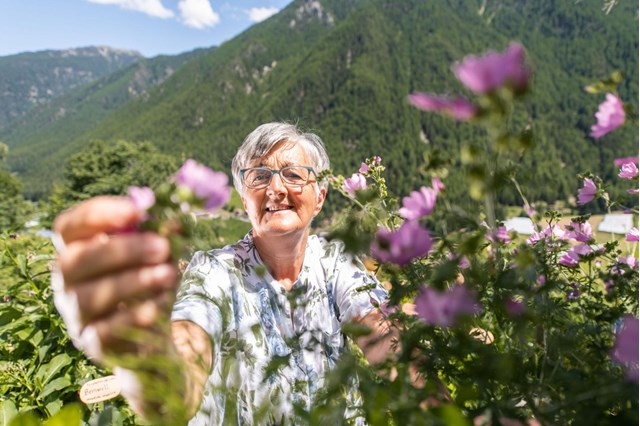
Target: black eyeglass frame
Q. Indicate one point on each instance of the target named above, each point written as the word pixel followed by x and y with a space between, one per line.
pixel 276 171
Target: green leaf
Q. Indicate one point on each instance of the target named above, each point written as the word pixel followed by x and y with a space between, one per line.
pixel 8 410
pixel 49 370
pixel 70 415
pixel 451 415
pixel 107 417
pixel 25 419
pixel 54 385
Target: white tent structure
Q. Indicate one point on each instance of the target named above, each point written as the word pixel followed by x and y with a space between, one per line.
pixel 522 225
pixel 616 223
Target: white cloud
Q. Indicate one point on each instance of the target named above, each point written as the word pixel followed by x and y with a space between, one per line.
pixel 153 8
pixel 257 14
pixel 198 13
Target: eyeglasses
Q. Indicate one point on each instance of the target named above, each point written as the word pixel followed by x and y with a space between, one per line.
pixel 260 177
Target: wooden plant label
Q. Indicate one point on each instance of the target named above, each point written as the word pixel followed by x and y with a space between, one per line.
pixel 100 390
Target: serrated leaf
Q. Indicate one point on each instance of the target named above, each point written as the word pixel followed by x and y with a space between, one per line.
pixel 8 411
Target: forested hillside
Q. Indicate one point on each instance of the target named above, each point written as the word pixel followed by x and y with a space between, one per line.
pixel 31 79
pixel 344 69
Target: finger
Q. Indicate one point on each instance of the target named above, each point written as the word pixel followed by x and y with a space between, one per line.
pixel 102 296
pixel 140 329
pixel 100 214
pixel 88 259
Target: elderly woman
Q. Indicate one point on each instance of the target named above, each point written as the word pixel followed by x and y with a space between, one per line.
pixel 279 293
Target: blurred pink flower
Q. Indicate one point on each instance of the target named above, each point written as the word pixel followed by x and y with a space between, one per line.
pixel 579 231
pixel 620 161
pixel 418 204
pixel 572 257
pixel 356 182
pixel 410 241
pixel 460 109
pixel 363 168
pixel 437 184
pixel 610 116
pixel 142 197
pixel 629 260
pixel 443 308
pixel 587 192
pixel 514 307
pixel 500 234
pixel 633 235
pixel 628 171
pixel 378 159
pixel 212 187
pixel 632 191
pixel 625 349
pixel 494 70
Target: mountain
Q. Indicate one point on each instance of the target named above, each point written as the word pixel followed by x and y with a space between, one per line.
pixel 31 79
pixel 63 118
pixel 344 68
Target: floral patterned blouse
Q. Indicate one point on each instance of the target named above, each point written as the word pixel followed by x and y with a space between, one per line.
pixel 254 323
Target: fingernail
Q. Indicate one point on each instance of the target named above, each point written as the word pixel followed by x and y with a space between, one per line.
pixel 164 274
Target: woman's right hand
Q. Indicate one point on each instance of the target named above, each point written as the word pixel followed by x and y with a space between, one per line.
pixel 111 282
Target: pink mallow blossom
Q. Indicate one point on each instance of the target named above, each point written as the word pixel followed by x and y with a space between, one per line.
pixel 587 192
pixel 500 235
pixel 572 257
pixel 419 203
pixel 633 235
pixel 357 182
pixel 210 186
pixel 547 235
pixel 142 197
pixel 437 184
pixel 410 241
pixel 443 308
pixel 629 260
pixel 624 160
pixel 364 168
pixel 494 70
pixel 628 171
pixel 609 117
pixel 459 108
pixel 625 349
pixel 581 232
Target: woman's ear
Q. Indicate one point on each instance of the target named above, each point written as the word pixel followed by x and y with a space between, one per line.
pixel 322 195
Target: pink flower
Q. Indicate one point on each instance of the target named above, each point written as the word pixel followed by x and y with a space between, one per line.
pixel 632 191
pixel 443 308
pixel 410 241
pixel 572 257
pixel 363 168
pixel 494 70
pixel 620 161
pixel 629 260
pixel 628 171
pixel 459 109
pixel 587 192
pixel 625 349
pixel 500 234
pixel 610 116
pixel 633 235
pixel 418 204
pixel 548 234
pixel 437 184
pixel 378 159
pixel 514 307
pixel 357 182
pixel 579 231
pixel 142 197
pixel 206 184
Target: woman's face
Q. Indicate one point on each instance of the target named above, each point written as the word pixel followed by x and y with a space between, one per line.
pixel 280 210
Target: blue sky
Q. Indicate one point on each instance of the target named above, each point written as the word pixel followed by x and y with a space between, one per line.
pixel 151 27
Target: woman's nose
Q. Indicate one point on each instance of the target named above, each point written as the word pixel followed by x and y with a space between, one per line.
pixel 276 185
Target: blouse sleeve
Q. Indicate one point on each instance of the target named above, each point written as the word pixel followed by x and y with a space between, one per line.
pixel 356 290
pixel 200 294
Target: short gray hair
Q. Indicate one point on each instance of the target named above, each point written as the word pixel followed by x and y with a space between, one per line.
pixel 266 136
